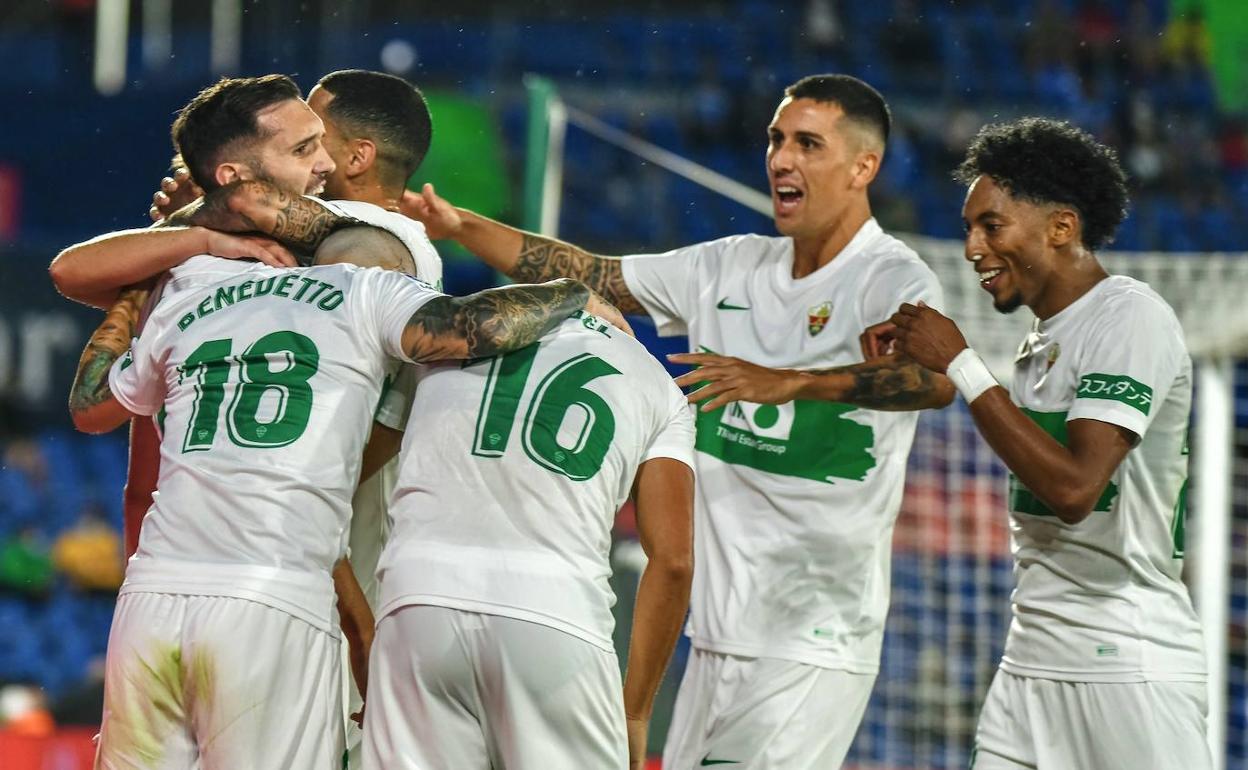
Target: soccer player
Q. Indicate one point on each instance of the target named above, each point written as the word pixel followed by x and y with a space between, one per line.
pixel 223 651
pixel 1104 664
pixel 493 647
pixel 801 454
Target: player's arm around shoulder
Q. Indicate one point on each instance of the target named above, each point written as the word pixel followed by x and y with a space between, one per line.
pixel 522 256
pixel 499 320
pixel 92 405
pixel 295 221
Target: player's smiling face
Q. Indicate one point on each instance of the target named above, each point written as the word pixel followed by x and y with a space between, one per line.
pixel 292 154
pixel 811 164
pixel 335 144
pixel 1005 243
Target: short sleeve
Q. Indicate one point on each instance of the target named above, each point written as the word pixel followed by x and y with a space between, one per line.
pixel 896 281
pixel 674 439
pixel 666 285
pixel 391 298
pixel 1129 363
pixel 136 380
pixel 396 399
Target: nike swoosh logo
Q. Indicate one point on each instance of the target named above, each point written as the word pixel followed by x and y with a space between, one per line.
pixel 708 761
pixel 723 305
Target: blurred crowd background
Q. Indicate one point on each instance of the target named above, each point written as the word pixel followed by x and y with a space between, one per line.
pixel 1162 81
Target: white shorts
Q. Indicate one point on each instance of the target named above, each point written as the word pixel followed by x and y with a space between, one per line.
pixel 761 713
pixel 218 683
pixel 1046 724
pixel 454 690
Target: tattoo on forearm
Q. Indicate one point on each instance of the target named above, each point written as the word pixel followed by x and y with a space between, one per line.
pixel 109 342
pixel 300 222
pixel 256 206
pixel 542 259
pixel 894 384
pixel 492 321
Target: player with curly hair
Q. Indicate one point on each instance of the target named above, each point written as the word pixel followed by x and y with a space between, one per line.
pixel 1104 661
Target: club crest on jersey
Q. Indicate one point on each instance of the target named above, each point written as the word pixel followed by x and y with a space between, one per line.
pixel 1054 352
pixel 817 317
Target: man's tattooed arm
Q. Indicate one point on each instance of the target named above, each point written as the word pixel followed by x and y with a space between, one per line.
pixel 91 403
pixel 893 384
pixel 492 321
pixel 542 259
pixel 256 206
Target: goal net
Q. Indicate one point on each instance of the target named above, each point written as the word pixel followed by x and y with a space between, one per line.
pixel 951 563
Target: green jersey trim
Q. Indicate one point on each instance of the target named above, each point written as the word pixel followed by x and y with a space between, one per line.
pixel 1022 499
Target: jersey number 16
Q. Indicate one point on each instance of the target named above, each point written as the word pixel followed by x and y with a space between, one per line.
pixel 560 404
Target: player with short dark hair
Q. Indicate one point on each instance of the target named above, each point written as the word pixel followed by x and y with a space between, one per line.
pixel 385 110
pixel 1104 662
pixel 227 124
pixel 801 443
pixel 860 103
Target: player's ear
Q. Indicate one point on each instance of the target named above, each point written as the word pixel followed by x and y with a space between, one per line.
pixel 1064 227
pixel 231 172
pixel 866 166
pixel 363 156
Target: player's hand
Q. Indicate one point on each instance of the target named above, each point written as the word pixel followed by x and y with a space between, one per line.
pixel 257 247
pixel 358 717
pixel 598 306
pixel 440 218
pixel 926 336
pixel 731 379
pixel 878 340
pixel 175 192
pixel 638 732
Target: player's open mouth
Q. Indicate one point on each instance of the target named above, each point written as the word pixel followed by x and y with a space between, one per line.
pixel 988 278
pixel 787 197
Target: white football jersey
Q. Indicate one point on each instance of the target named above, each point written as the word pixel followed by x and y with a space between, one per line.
pixel 1101 600
pixel 369 527
pixel 268 379
pixel 512 471
pixel 796 502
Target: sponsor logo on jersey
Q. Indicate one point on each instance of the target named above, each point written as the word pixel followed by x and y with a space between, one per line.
pixel 724 304
pixel 1116 387
pixel 821 441
pixel 707 761
pixel 817 317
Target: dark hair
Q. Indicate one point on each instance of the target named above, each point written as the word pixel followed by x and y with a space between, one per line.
pixel 387 110
pixel 222 115
pixel 1050 161
pixel 860 102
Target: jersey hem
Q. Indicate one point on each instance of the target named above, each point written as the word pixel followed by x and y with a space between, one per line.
pixel 1130 676
pixel 797 656
pixel 489 608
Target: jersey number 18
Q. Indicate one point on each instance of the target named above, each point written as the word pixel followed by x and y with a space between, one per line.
pixel 210 365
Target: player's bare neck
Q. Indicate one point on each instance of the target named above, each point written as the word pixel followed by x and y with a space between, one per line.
pixel 1079 273
pixel 814 251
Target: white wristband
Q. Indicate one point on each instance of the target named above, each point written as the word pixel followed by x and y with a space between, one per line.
pixel 970 375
